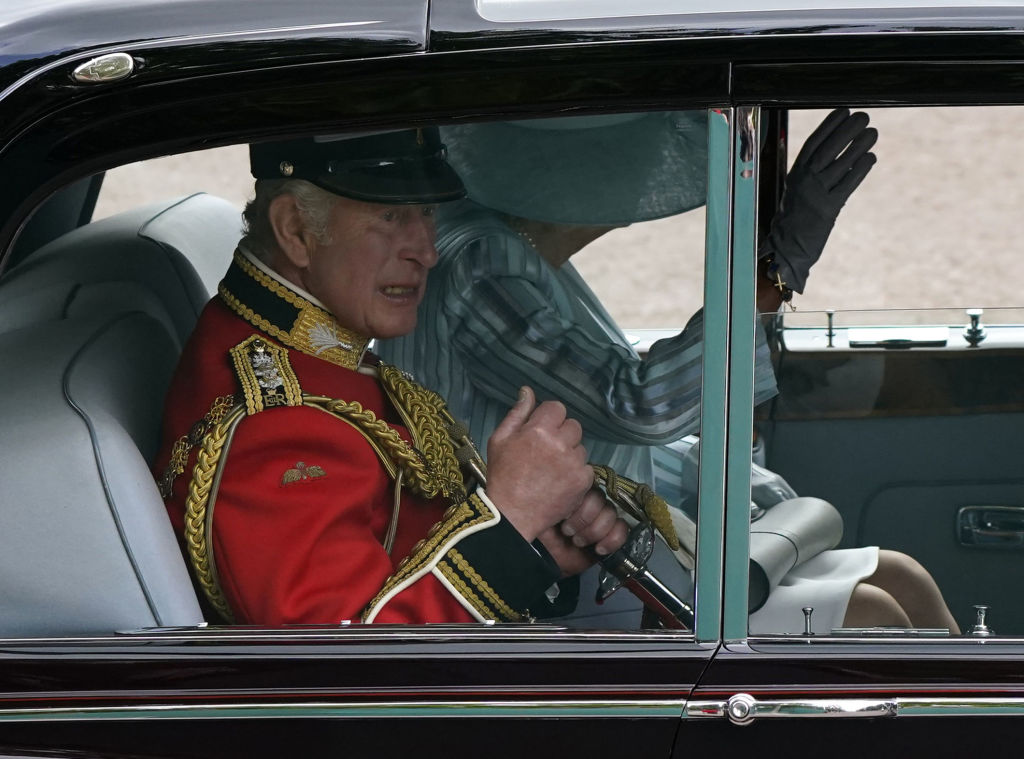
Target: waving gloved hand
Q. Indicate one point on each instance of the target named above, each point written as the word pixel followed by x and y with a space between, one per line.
pixel 828 169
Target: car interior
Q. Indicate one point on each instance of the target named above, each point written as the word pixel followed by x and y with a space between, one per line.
pixel 914 436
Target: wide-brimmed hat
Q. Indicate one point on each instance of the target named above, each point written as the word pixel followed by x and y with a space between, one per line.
pixel 593 170
pixel 406 166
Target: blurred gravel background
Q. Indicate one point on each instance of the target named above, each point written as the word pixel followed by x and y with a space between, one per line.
pixel 933 225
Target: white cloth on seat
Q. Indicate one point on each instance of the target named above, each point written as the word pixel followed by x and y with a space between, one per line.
pixel 824 582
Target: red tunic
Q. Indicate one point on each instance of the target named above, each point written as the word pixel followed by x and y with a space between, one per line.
pixel 308 548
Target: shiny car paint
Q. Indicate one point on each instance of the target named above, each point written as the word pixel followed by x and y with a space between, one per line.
pixel 211 74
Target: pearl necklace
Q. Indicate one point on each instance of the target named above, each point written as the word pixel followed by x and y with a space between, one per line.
pixel 519 230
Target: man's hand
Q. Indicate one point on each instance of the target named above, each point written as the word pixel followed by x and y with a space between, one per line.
pixel 537 467
pixel 832 163
pixel 595 525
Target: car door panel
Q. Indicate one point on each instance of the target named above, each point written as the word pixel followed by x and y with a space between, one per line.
pixel 262 693
pixel 900 441
pixel 857 698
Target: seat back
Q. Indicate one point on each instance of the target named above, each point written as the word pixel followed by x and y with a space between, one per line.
pixel 94 323
pixel 85 542
pixel 164 259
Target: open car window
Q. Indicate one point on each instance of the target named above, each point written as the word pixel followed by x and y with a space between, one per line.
pixel 899 396
pixel 118 299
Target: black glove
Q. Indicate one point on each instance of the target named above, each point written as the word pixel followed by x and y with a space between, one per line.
pixel 833 161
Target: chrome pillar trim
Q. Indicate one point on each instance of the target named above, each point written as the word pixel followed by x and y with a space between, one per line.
pixel 629 709
pixel 714 377
pixel 742 342
pixel 742 708
pixel 112 67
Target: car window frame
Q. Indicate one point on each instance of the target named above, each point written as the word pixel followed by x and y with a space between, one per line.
pixel 709 621
pixel 772 97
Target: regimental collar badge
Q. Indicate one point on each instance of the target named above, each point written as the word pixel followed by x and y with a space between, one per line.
pixel 302 472
pixel 275 306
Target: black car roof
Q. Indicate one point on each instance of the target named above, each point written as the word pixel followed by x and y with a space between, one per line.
pixel 378 62
pixel 33 30
pixel 35 33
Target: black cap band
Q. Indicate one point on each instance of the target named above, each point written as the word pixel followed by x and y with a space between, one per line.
pixel 407 166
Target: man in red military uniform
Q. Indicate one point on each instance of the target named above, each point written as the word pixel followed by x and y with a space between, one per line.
pixel 312 484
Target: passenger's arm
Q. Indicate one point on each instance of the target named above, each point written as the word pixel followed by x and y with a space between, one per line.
pixel 507 320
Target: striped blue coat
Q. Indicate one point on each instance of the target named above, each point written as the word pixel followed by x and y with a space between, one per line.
pixel 497 316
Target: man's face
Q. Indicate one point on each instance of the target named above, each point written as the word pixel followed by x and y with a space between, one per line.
pixel 373 273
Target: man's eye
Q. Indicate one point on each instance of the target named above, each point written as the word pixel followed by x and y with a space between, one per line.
pixel 389 215
pixel 429 211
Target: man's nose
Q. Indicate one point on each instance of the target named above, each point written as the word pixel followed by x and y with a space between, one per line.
pixel 420 235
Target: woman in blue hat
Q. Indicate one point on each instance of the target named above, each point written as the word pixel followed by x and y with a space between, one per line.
pixel 505 307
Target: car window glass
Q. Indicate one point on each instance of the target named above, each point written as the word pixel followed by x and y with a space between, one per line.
pixel 539 193
pixel 162 237
pixel 223 172
pixel 895 436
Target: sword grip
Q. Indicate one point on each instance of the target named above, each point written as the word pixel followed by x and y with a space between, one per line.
pixel 673 612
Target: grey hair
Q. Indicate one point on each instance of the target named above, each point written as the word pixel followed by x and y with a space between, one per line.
pixel 314 205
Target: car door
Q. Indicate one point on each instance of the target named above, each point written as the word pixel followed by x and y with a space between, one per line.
pixel 202 690
pixel 905 421
pixel 906 416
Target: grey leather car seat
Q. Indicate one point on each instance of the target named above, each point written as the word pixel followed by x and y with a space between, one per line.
pixel 93 324
pixel 164 258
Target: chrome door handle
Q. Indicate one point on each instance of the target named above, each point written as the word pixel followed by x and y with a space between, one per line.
pixel 742 708
pixel 991 526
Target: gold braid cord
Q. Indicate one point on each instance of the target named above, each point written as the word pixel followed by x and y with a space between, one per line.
pixel 637 500
pixel 183 445
pixel 429 466
pixel 208 459
pixel 419 473
pixel 429 422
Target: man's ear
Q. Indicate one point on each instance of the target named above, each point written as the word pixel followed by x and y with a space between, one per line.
pixel 295 242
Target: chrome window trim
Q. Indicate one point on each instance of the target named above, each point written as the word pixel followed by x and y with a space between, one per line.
pixel 366 634
pixel 561 708
pixel 538 11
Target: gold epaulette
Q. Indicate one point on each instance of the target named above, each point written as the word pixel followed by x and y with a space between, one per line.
pixel 265 375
